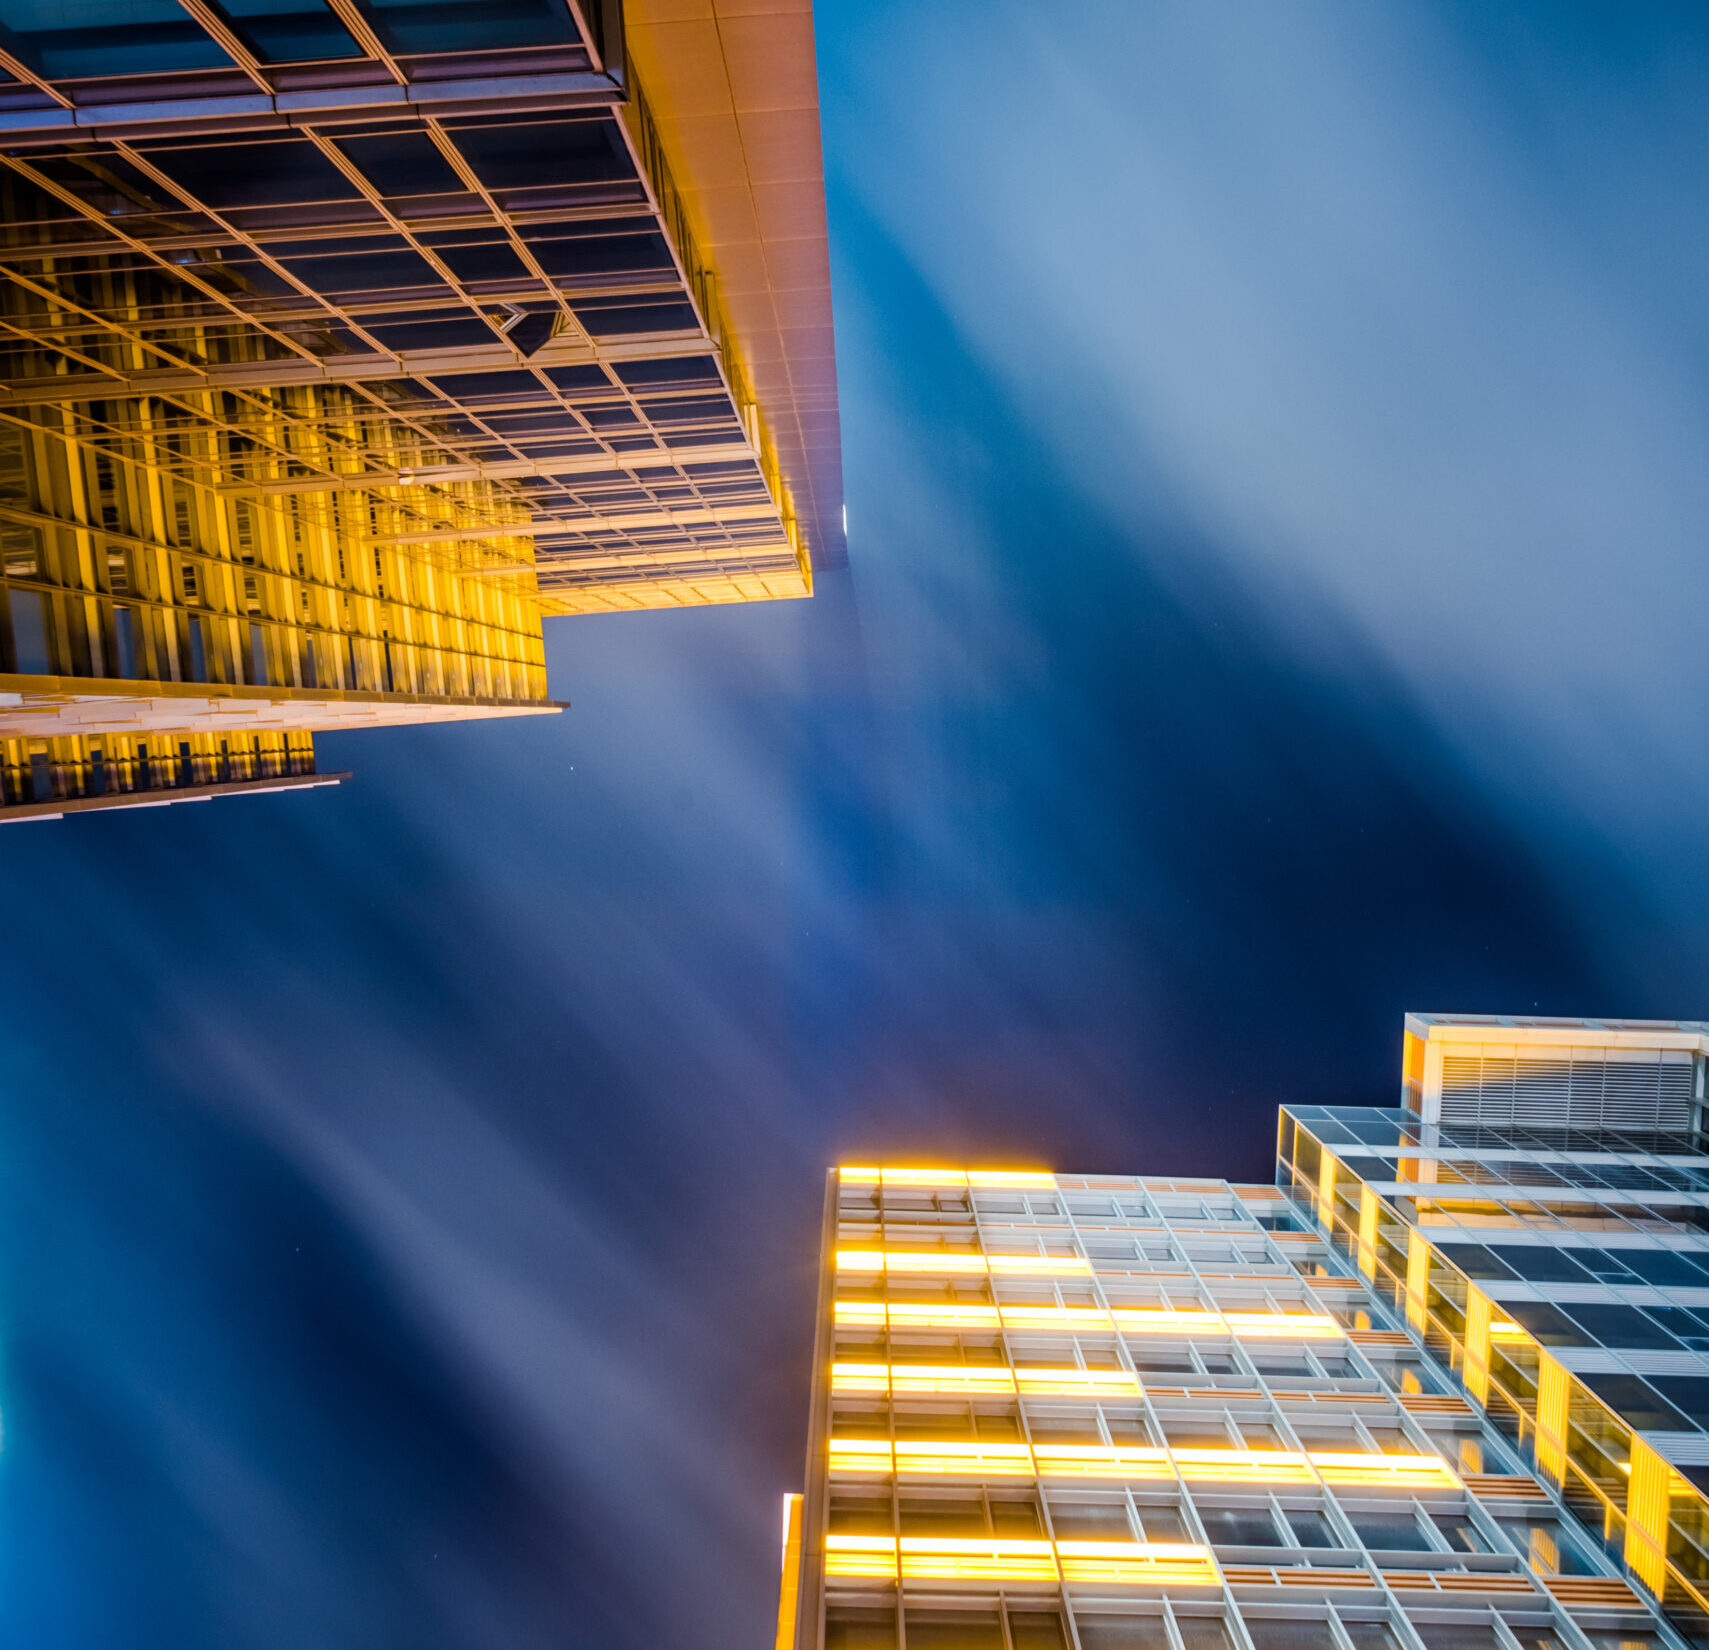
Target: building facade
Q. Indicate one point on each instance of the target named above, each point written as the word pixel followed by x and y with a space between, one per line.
pixel 1444 1387
pixel 341 342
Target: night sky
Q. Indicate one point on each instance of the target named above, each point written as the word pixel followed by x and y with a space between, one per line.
pixel 1277 500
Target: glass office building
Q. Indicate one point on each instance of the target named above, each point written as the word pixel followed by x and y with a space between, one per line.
pixel 1438 1389
pixel 342 341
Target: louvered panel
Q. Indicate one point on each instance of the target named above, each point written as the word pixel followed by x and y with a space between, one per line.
pixel 1648 1089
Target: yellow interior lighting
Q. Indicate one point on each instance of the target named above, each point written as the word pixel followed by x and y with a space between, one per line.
pixel 933 1558
pixel 944 1260
pixel 972 1378
pixel 1131 1319
pixel 1138 1563
pixel 917 1315
pixel 1101 1461
pixel 984 1379
pixel 1093 1383
pixel 1348 1469
pixel 1502 1329
pixel 1258 1466
pixel 1016 1179
pixel 957 1456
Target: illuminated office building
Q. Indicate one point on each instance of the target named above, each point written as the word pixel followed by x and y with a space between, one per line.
pixel 1105 1412
pixel 342 341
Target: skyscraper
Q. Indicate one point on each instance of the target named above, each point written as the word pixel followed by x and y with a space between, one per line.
pixel 342 341
pixel 1127 1413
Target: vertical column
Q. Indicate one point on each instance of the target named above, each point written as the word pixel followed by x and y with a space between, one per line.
pixel 789 1592
pixel 1553 1386
pixel 1475 1370
pixel 1326 1192
pixel 1417 1278
pixel 1366 1254
pixel 1647 1516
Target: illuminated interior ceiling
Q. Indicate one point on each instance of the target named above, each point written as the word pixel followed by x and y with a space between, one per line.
pixel 460 223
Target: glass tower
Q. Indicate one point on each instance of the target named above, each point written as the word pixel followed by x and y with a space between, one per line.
pixel 342 341
pixel 1439 1389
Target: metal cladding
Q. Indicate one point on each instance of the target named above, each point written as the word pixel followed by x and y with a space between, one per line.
pixel 342 343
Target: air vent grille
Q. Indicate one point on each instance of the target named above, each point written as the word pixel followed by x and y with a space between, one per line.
pixel 1644 1089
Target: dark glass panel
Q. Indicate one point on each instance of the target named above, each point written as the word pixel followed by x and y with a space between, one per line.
pixel 1538 1264
pixel 68 39
pixel 619 319
pixel 403 163
pixel 1689 1393
pixel 458 26
pixel 1636 1402
pixel 1475 1260
pixel 1550 1325
pixel 289 31
pixel 545 152
pixel 1665 1268
pixel 1620 1325
pixel 282 173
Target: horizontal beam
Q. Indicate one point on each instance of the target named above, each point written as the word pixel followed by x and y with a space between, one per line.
pixel 19 813
pixel 359 365
pixel 510 469
pixel 321 104
pixel 703 516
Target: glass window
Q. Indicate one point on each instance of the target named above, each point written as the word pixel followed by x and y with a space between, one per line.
pixel 456 26
pixel 1309 1528
pixel 1090 1520
pixel 29 634
pixel 1539 1263
pixel 1120 1632
pixel 847 1629
pixel 1620 1325
pixel 1036 1630
pixel 1685 1392
pixel 1665 1268
pixel 289 31
pixel 1286 1635
pixel 1201 1632
pixel 1547 1547
pixel 1163 1523
pixel 68 39
pixel 1459 1532
pixel 954 1630
pixel 1391 1532
pixel 1239 1527
pixel 1370 1635
pixel 1550 1325
pixel 1635 1401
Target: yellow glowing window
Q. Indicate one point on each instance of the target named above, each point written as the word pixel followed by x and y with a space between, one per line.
pixel 984 1379
pixel 972 1378
pixel 1133 1320
pixel 1017 1179
pixel 946 1456
pixel 1123 1563
pixel 1101 1461
pixel 1348 1469
pixel 944 1260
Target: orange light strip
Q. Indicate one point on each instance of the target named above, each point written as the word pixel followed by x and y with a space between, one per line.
pixel 961 1457
pixel 984 1379
pixel 1131 1320
pixel 962 1264
pixel 916 1558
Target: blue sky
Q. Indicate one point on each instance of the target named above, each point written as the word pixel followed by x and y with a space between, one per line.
pixel 1275 497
